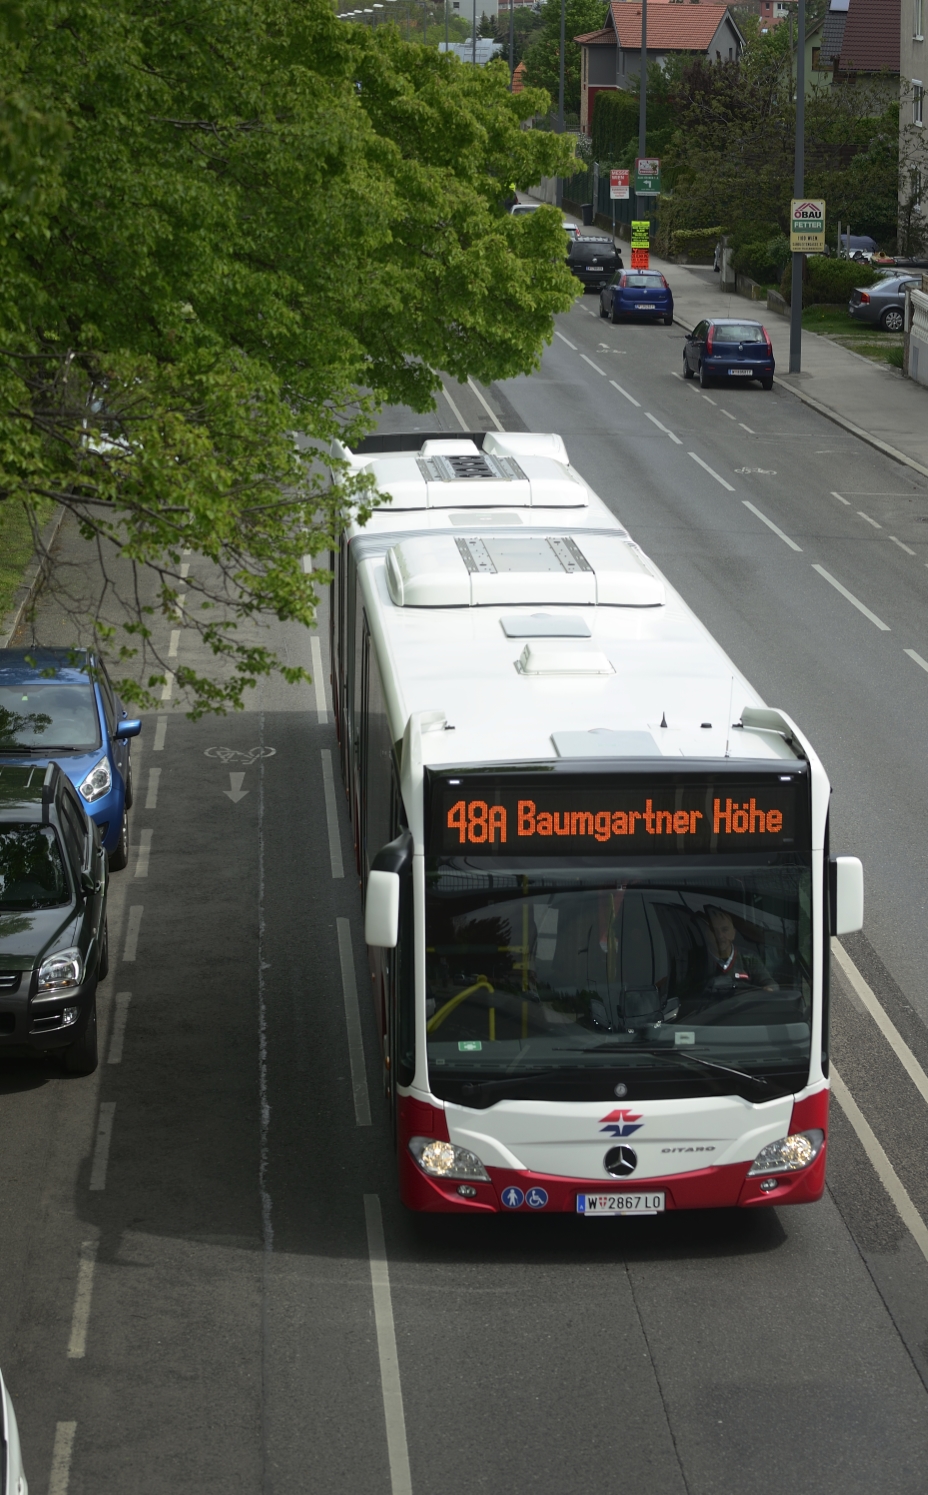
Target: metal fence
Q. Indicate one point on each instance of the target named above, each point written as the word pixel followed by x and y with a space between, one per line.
pixel 581 188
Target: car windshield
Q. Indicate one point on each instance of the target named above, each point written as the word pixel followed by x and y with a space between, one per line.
pixel 644 279
pixel 738 332
pixel 31 868
pixel 46 716
pixel 618 973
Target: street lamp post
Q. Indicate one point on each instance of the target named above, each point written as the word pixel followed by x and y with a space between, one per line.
pixel 560 78
pixel 799 177
pixel 643 93
pixel 512 42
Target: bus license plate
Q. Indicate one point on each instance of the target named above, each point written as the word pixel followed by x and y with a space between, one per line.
pixel 620 1204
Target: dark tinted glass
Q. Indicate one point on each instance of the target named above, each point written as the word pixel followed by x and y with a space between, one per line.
pixel 738 332
pixel 643 279
pixel 31 869
pixel 582 253
pixel 48 715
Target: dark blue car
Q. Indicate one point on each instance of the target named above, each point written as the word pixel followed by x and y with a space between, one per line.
pixel 637 295
pixel 57 705
pixel 727 349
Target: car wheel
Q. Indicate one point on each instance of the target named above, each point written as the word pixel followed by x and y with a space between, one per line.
pixel 104 967
pixel 80 1057
pixel 615 318
pixel 687 371
pixel 129 784
pixel 668 321
pixel 766 383
pixel 119 858
pixel 602 309
pixel 703 378
pixel 892 320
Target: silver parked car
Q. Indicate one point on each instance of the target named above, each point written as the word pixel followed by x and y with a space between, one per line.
pixel 883 304
pixel 12 1475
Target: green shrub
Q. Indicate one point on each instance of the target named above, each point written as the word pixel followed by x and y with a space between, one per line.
pixel 695 243
pixel 894 357
pixel 762 259
pixel 615 123
pixel 828 280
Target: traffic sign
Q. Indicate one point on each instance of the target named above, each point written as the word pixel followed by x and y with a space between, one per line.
pixel 807 225
pixel 648 175
pixel 641 233
pixel 618 183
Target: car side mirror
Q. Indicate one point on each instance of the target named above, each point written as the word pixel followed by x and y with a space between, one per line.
pixel 689 337
pixel 847 895
pixel 382 909
pixel 130 728
pixel 89 885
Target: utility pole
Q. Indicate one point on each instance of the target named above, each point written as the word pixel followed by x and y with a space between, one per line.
pixel 560 79
pixel 643 92
pixel 799 178
pixel 475 34
pixel 512 42
pixel 447 2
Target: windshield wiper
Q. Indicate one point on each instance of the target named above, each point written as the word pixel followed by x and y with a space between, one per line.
pixel 725 1069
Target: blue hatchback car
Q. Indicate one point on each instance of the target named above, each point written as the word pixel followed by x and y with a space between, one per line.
pixel 57 705
pixel 727 349
pixel 637 295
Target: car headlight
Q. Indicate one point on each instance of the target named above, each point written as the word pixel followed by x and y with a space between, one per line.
pixel 445 1160
pixel 98 782
pixel 61 971
pixel 789 1155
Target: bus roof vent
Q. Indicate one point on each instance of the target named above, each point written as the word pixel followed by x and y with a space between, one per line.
pixel 554 659
pixel 601 742
pixel 488 570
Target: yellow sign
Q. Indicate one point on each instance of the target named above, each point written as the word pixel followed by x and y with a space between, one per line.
pixel 641 233
pixel 807 225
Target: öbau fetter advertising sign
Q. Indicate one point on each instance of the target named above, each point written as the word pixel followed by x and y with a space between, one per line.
pixel 807 225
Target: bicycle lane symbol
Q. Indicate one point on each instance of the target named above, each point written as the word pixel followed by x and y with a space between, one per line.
pixel 227 755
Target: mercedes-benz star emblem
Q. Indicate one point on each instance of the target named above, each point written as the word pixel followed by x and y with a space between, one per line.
pixel 620 1090
pixel 621 1161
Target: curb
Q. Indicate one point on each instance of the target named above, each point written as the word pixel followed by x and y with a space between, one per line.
pixel 33 579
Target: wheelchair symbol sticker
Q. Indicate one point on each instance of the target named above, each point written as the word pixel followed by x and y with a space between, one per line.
pixel 513 1197
pixel 536 1198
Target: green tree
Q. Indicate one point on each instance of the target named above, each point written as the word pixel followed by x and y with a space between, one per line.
pixel 542 58
pixel 225 224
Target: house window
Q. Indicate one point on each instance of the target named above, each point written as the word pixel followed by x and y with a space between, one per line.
pixel 731 54
pixel 918 102
pixel 916 177
pixel 918 19
pixel 816 59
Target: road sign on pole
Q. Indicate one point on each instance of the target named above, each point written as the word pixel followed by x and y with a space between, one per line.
pixel 618 183
pixel 807 225
pixel 648 175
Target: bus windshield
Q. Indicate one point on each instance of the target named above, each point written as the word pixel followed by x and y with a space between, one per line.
pixel 562 982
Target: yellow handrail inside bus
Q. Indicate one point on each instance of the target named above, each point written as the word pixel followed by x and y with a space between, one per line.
pixel 437 1018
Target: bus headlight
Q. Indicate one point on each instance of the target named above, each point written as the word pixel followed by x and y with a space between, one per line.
pixel 444 1160
pixel 789 1155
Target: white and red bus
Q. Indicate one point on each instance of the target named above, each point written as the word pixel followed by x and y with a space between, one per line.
pixel 598 888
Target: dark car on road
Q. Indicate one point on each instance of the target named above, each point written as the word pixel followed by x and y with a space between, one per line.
pixel 594 259
pixel 59 704
pixel 724 348
pixel 883 304
pixel 637 295
pixel 53 938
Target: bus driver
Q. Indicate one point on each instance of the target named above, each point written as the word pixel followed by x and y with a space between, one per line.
pixel 733 967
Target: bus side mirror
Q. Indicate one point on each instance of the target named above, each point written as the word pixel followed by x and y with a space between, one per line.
pixel 382 910
pixel 847 895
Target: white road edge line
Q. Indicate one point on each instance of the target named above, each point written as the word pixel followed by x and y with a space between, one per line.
pixel 362 1101
pixel 83 1294
pixel 160 733
pixel 60 1476
pixel 906 548
pixel 565 339
pixel 770 525
pixel 454 409
pixel 322 710
pixel 662 427
pixel 869 520
pixel 331 814
pixel 840 499
pixel 133 925
pixel 917 657
pixel 154 779
pixel 397 1448
pixel 856 602
pixel 881 1017
pixel 101 1150
pixel 118 1035
pixel 631 399
pixel 141 864
pixel 711 471
pixel 594 366
pixel 491 413
pixel 884 1169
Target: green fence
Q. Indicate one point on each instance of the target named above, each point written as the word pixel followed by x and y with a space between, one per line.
pixel 579 189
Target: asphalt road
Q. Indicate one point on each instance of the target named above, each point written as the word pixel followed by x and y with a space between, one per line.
pixel 198 1294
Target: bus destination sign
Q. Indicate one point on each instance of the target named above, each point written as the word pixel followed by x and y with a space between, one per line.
pixel 596 818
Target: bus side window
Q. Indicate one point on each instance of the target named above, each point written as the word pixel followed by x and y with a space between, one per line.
pixel 377 808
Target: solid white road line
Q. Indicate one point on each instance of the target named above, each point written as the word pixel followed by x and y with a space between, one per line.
pixel 101 1149
pixel 322 710
pixel 141 865
pixel 630 398
pixel 746 428
pixel 917 657
pixel 331 814
pixel 877 622
pixel 770 525
pixel 901 546
pixel 840 499
pixel 168 686
pixel 160 734
pixel 133 925
pixel 491 413
pixel 80 1318
pixel 172 646
pixel 662 427
pixel 60 1476
pixel 154 779
pixel 118 1036
pixel 881 1017
pixel 454 409
pixel 565 339
pixel 884 1169
pixel 869 520
pixel 594 366
pixel 397 1449
pixel 712 473
pixel 362 1103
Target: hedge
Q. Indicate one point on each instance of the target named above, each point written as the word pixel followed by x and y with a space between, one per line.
pixel 828 281
pixel 615 123
pixel 695 241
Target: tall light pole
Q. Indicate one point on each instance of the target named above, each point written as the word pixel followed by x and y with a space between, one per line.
pixel 475 34
pixel 447 2
pixel 799 178
pixel 560 78
pixel 512 42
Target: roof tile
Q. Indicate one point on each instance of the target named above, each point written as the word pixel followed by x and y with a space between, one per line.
pixel 671 28
pixel 871 37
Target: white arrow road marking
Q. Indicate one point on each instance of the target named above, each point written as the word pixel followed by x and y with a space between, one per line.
pixel 236 792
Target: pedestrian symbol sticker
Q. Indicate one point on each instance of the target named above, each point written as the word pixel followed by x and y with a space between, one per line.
pixel 536 1198
pixel 513 1197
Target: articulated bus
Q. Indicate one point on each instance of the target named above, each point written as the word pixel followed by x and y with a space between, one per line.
pixel 596 870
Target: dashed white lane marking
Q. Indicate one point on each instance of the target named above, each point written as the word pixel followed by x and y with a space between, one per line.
pixel 882 1019
pixel 711 402
pixel 80 1317
pixel 362 1101
pixel 711 471
pixel 565 339
pixel 141 865
pixel 884 1169
pixel 869 520
pixel 397 1448
pixel 172 646
pixel 661 427
pixel 728 413
pixel 747 428
pixel 594 366
pixel 160 734
pixel 306 562
pixel 770 525
pixel 855 601
pixel 331 814
pixel 906 548
pixel 154 779
pixel 491 413
pixel 167 688
pixel 918 658
pixel 60 1476
pixel 322 710
pixel 840 499
pixel 185 568
pixel 631 399
pixel 454 409
pixel 101 1149
pixel 676 375
pixel 133 925
pixel 120 1018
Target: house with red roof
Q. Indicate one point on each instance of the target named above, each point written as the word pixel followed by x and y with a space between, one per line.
pixel 611 57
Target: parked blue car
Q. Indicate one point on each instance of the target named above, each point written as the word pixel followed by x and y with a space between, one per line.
pixel 639 295
pixel 57 705
pixel 727 349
